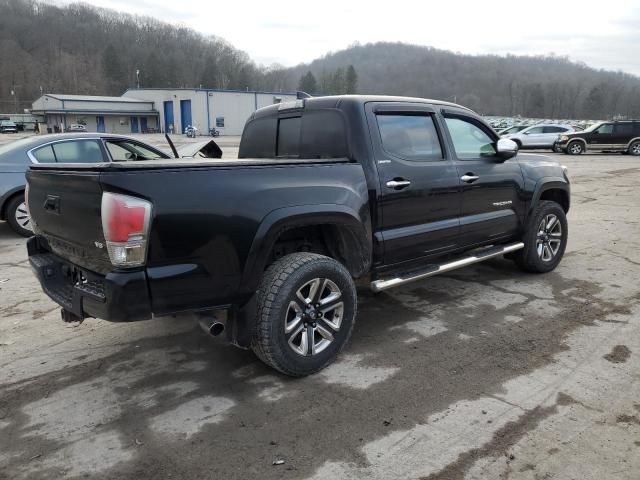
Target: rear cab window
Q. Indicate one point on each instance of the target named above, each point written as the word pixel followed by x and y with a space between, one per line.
pixel 303 134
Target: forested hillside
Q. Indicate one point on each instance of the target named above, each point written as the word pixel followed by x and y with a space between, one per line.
pixel 84 50
pixel 550 87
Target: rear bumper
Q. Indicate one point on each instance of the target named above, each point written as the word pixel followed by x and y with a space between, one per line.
pixel 116 296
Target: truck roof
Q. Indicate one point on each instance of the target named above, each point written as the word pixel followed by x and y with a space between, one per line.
pixel 335 101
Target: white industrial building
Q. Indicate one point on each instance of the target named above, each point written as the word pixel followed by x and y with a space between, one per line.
pixel 98 114
pixel 155 109
pixel 225 110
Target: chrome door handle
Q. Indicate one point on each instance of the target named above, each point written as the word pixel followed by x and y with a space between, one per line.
pixel 469 178
pixel 398 183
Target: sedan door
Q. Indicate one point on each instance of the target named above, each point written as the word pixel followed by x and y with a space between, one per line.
pixel 419 201
pixel 493 204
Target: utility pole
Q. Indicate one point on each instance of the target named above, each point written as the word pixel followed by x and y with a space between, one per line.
pixel 137 78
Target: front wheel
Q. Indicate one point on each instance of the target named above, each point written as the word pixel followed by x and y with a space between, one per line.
pixel 545 239
pixel 306 312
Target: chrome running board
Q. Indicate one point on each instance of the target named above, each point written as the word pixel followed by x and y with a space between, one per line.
pixel 478 256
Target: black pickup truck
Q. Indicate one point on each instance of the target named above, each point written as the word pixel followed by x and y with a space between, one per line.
pixel 266 247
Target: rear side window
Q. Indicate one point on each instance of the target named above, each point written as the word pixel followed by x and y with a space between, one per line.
pixel 534 130
pixel 410 137
pixel 78 151
pixel 555 129
pixel 623 129
pixel 44 154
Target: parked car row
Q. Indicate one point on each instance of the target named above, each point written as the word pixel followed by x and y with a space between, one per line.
pixel 7 126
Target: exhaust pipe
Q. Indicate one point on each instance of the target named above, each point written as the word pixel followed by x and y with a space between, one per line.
pixel 211 326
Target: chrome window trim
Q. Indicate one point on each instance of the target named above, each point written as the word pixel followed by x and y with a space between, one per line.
pixel 33 158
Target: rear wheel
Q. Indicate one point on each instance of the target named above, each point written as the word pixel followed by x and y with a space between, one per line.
pixel 575 148
pixel 634 148
pixel 545 239
pixel 306 312
pixel 18 216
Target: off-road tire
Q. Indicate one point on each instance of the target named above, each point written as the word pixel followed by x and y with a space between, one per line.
pixel 12 206
pixel 278 288
pixel 528 259
pixel 572 148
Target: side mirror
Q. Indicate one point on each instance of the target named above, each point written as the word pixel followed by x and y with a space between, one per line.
pixel 506 149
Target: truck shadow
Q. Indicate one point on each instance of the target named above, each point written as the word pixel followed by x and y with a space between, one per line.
pixel 184 404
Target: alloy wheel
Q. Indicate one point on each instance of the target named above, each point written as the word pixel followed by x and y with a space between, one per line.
pixel 549 238
pixel 314 316
pixel 635 148
pixel 22 217
pixel 575 148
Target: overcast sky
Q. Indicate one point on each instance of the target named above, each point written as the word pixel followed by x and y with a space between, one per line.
pixel 603 34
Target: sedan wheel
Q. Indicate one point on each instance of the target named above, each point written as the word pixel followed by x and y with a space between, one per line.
pixel 18 216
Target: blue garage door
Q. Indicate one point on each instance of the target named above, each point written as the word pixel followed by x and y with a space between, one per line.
pixel 134 125
pixel 168 115
pixel 185 114
pixel 100 124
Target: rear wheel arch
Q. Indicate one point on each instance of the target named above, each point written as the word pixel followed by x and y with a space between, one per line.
pixel 338 233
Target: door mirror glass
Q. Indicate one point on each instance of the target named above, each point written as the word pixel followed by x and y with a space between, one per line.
pixel 506 148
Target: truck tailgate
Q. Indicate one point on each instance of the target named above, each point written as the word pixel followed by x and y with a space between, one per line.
pixel 65 208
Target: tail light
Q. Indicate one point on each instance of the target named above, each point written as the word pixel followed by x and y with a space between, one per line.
pixel 125 223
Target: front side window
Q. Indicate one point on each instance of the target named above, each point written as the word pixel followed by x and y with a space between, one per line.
pixel 123 150
pixel 605 129
pixel 469 140
pixel 77 151
pixel 410 137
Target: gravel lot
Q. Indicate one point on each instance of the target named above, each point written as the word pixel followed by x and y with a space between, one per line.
pixel 483 373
